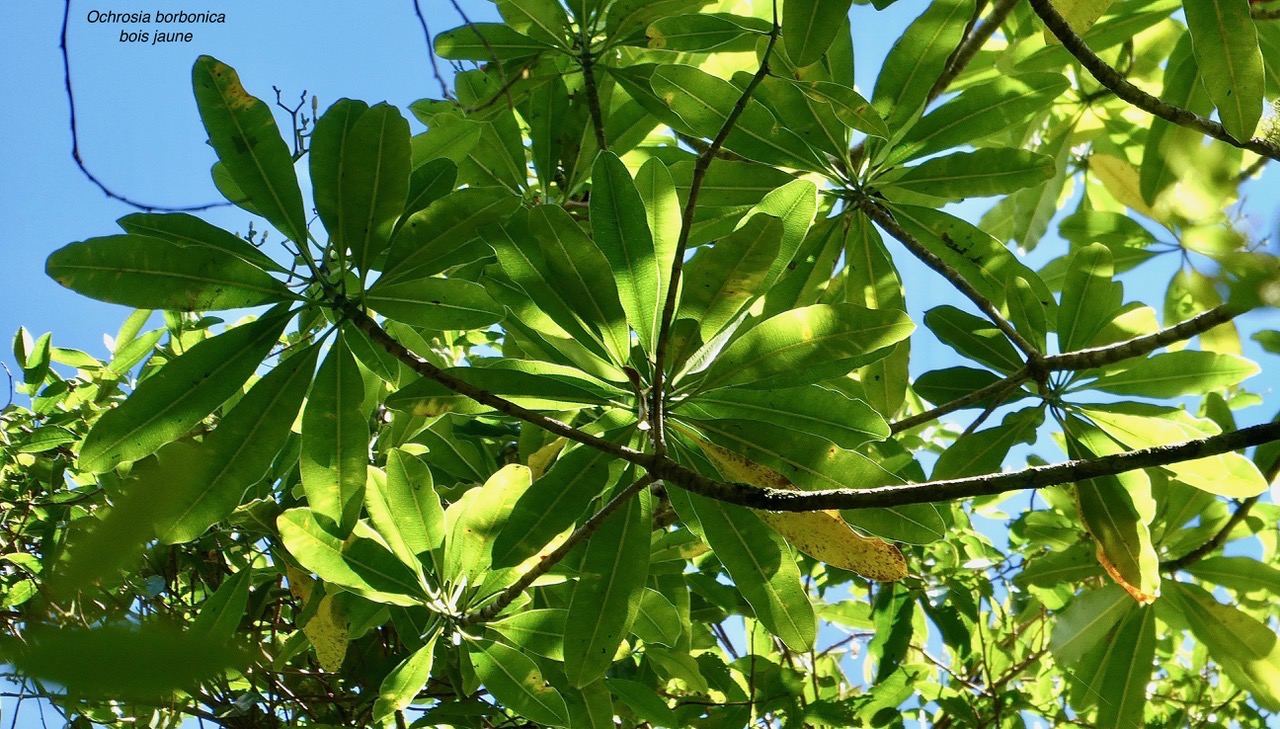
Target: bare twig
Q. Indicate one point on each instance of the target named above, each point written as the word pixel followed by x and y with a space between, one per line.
pixel 431 51
pixel 75 141
pixel 1114 80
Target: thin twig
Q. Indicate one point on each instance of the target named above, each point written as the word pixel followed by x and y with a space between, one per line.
pixel 431 51
pixel 75 141
pixel 1114 80
pixel 700 167
pixel 579 535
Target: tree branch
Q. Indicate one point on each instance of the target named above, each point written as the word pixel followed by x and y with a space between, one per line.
pixel 579 535
pixel 700 167
pixel 1120 86
pixel 587 62
pixel 885 220
pixel 963 488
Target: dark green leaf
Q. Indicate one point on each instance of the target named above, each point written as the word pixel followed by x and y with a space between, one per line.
pixel 335 442
pixel 244 134
pixel 151 273
pixel 181 394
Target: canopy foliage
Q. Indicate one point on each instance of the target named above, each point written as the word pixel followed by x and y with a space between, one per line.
pixel 594 402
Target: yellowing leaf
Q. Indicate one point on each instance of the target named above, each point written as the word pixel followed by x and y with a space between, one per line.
pixel 1121 180
pixel 823 535
pixel 541 459
pixel 326 629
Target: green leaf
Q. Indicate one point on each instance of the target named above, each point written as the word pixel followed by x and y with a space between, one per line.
pixel 1138 426
pixel 582 272
pixel 1172 152
pixel 1087 621
pixel 1090 300
pixel 811 409
pixel 404 508
pixel 847 105
pixel 981 259
pixel 759 562
pixel 981 173
pixel 402 685
pixel 238 452
pixel 435 303
pixel 662 213
pixel 1126 671
pixel 1225 43
pixel 702 103
pixel 705 32
pixel 221 613
pixel 244 134
pixel 722 280
pixel 474 522
pixel 1117 511
pixel 188 230
pixel 973 337
pixel 1174 374
pixel 366 186
pixel 515 680
pixel 1027 312
pixel 791 342
pixel 807 459
pixel 644 700
pixel 147 662
pixel 1245 648
pixel 538 386
pixel 620 226
pixel 979 112
pixel 658 620
pixel 181 394
pixel 943 386
pixel 918 58
pixel 984 451
pixel 555 315
pixel 335 441
pixel 607 595
pixel 438 237
pixel 359 564
pixel 540 631
pixel 151 273
pixel 487 42
pixel 912 523
pixel 554 502
pixel 542 20
pixel 1242 574
pixel 810 26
